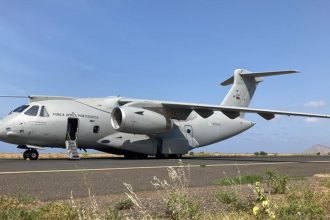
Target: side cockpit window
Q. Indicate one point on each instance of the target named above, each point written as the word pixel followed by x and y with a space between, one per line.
pixel 33 111
pixel 20 109
pixel 43 112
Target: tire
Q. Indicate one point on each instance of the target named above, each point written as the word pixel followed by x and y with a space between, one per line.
pixel 34 155
pixel 26 154
pixel 178 156
pixel 130 156
pixel 175 156
pixel 162 156
pixel 142 156
pixel 134 156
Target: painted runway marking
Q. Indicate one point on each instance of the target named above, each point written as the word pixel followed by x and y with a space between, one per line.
pixel 157 167
pixel 140 168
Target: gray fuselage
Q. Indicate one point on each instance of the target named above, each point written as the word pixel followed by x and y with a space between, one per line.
pixel 95 130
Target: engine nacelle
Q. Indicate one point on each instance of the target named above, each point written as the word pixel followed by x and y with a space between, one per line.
pixel 134 120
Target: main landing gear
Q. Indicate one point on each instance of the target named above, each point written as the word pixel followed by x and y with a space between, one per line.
pixel 32 154
pixel 169 156
pixel 135 156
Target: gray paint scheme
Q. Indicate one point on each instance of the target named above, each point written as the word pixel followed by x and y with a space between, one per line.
pixel 141 126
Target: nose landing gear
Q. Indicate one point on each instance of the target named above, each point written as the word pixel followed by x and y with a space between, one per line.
pixel 32 154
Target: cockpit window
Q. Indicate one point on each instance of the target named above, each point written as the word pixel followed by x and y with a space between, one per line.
pixel 21 108
pixel 43 112
pixel 33 111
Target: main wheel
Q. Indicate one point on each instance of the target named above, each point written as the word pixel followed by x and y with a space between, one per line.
pixel 142 156
pixel 135 156
pixel 26 154
pixel 34 155
pixel 176 156
pixel 130 156
pixel 162 156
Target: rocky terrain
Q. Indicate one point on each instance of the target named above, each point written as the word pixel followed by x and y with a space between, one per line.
pixel 318 149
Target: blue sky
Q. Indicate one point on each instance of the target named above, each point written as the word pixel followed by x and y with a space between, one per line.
pixel 176 51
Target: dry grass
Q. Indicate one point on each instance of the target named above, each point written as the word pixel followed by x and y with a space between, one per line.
pixel 173 199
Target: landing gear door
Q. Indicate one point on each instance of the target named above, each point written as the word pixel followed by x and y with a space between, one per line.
pixel 188 132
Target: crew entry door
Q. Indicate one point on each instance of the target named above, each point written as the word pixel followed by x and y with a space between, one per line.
pixel 72 129
pixel 71 139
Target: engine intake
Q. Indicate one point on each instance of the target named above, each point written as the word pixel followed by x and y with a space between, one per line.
pixel 134 120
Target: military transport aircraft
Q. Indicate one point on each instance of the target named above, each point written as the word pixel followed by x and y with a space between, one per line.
pixel 135 128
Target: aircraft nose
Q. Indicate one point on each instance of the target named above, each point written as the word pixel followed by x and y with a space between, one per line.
pixel 2 129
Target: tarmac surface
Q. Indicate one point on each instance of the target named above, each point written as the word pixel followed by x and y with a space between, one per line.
pixel 52 179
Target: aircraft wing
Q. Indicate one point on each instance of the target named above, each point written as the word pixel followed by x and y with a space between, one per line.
pixel 206 110
pixel 233 112
pixel 35 98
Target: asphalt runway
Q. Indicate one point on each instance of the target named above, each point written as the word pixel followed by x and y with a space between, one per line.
pixel 51 179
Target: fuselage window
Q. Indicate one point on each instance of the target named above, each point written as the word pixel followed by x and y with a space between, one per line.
pixel 96 129
pixel 43 112
pixel 21 108
pixel 33 111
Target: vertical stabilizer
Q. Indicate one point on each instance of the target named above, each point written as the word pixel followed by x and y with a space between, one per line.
pixel 243 89
pixel 244 86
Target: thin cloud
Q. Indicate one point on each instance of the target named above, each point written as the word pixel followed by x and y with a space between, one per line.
pixel 315 104
pixel 11 89
pixel 312 120
pixel 277 118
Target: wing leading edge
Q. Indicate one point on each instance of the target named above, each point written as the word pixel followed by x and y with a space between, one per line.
pixel 233 112
pixel 230 111
pixel 35 98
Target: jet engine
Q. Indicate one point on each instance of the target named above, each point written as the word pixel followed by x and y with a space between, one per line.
pixel 134 120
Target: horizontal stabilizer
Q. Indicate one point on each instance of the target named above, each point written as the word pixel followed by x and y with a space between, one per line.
pixel 257 74
pixel 264 74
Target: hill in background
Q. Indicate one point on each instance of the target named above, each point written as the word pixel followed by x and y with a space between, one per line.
pixel 323 150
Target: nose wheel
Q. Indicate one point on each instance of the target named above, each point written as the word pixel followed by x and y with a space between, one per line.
pixel 32 154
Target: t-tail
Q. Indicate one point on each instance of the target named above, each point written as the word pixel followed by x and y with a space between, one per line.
pixel 244 85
